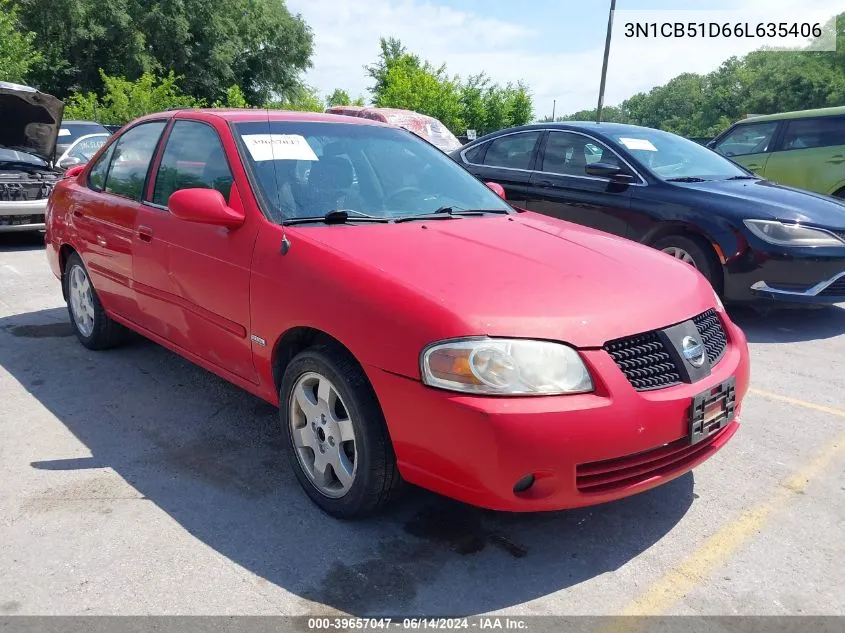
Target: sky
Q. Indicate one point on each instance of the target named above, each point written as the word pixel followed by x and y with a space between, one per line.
pixel 555 46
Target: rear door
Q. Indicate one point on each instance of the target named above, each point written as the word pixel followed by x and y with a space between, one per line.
pixel 507 160
pixel 563 189
pixel 105 211
pixel 749 145
pixel 810 155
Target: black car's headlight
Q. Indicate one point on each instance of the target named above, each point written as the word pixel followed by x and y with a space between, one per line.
pixel 505 367
pixel 782 234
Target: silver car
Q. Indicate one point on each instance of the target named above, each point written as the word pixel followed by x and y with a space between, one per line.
pixel 28 136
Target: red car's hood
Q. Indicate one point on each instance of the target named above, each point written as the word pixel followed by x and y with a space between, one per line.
pixel 529 276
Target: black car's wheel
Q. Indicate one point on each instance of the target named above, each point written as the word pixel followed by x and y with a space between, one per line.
pixel 93 327
pixel 694 252
pixel 339 446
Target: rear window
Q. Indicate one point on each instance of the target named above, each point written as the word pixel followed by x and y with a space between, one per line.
pixel 809 133
pixel 70 132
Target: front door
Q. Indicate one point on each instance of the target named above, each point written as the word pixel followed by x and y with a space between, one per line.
pixel 562 188
pixel 749 145
pixel 192 279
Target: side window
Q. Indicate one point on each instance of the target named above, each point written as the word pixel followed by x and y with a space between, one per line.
pixel 569 154
pixel 474 155
pixel 820 132
pixel 513 151
pixel 131 159
pixel 193 158
pixel 97 175
pixel 748 139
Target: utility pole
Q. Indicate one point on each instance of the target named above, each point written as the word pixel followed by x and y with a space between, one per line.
pixel 554 103
pixel 606 55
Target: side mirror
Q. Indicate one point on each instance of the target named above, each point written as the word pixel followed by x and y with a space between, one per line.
pixel 73 172
pixel 608 170
pixel 69 161
pixel 498 189
pixel 206 206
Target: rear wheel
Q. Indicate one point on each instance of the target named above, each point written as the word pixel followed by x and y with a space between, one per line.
pixel 692 251
pixel 93 327
pixel 339 446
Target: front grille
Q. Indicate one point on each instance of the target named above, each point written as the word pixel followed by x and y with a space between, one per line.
pixel 644 361
pixel 713 335
pixel 836 289
pixel 19 220
pixel 24 191
pixel 610 475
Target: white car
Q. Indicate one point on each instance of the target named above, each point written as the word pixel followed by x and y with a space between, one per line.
pixel 28 136
pixel 82 149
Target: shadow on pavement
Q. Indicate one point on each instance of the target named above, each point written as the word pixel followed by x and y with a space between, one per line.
pixel 211 457
pixel 21 241
pixel 790 325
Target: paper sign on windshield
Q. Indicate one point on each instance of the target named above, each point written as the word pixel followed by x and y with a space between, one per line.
pixel 638 143
pixel 64 132
pixel 278 147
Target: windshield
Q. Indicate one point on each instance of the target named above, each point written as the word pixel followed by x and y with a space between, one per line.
pixel 87 146
pixel 17 156
pixel 70 132
pixel 306 170
pixel 671 157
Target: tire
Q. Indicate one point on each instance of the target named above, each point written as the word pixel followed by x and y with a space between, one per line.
pixel 695 252
pixel 375 480
pixel 96 331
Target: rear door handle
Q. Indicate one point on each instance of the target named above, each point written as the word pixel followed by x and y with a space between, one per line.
pixel 545 183
pixel 145 233
pixel 839 158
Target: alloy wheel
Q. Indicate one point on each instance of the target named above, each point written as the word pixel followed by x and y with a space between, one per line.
pixel 679 253
pixel 323 435
pixel 81 299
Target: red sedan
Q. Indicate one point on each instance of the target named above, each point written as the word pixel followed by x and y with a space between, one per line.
pixel 409 323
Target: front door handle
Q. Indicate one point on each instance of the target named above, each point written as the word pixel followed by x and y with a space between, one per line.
pixel 839 158
pixel 545 183
pixel 145 233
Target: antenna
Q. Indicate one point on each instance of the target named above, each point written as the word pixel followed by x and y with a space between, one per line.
pixel 285 241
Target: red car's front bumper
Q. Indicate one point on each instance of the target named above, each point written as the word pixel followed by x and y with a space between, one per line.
pixel 582 450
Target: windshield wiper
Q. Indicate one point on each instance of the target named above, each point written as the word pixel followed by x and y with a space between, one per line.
pixel 686 179
pixel 744 178
pixel 459 211
pixel 337 216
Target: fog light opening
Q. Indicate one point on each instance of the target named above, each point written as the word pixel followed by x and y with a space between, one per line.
pixel 523 484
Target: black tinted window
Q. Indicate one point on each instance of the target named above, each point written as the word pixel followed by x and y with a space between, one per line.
pixel 821 132
pixel 97 175
pixel 193 157
pixel 748 139
pixel 131 159
pixel 474 155
pixel 569 154
pixel 513 150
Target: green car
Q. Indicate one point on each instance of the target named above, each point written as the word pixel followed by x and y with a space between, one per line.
pixel 804 149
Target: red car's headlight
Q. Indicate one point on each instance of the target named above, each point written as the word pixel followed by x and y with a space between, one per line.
pixel 505 367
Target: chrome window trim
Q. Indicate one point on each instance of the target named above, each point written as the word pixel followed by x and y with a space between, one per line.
pixel 642 183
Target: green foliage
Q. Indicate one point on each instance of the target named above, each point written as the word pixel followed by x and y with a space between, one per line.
pixel 302 99
pixel 403 80
pixel 762 82
pixel 338 98
pixel 124 100
pixel 17 47
pixel 255 44
pixel 234 99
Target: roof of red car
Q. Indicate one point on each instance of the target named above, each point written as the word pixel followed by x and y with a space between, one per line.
pixel 261 114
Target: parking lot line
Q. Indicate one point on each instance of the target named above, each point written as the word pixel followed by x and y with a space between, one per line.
pixel 797 402
pixel 718 548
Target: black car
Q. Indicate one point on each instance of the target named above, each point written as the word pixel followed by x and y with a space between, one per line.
pixel 754 240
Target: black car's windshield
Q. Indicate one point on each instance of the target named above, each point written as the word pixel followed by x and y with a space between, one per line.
pixel 308 169
pixel 8 155
pixel 673 158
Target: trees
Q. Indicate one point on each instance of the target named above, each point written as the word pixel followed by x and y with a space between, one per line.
pixel 17 50
pixel 340 98
pixel 256 44
pixel 404 80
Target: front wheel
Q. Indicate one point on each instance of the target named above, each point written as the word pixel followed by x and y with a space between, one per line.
pixel 692 252
pixel 338 442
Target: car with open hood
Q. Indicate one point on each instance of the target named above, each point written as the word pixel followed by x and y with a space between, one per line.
pixel 27 149
pixel 407 321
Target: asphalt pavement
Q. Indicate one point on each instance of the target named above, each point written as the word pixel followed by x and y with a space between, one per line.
pixel 133 482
